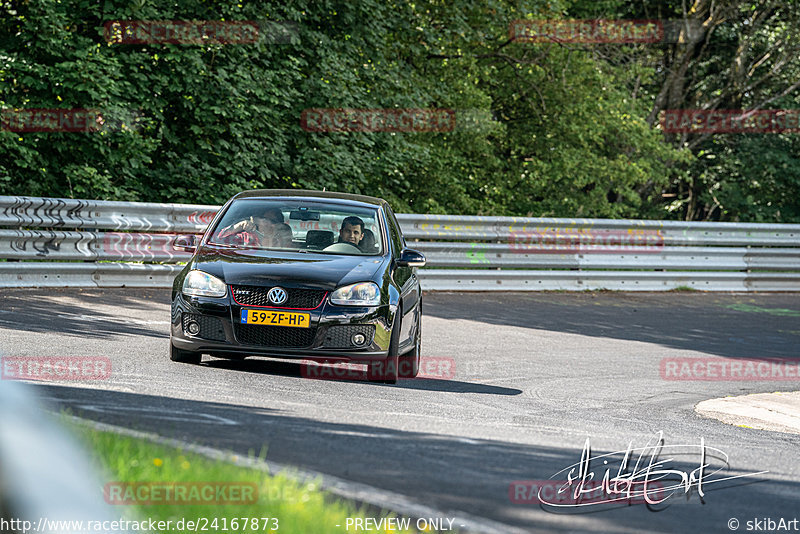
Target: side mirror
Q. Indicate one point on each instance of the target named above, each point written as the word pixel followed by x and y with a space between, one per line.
pixel 186 243
pixel 411 258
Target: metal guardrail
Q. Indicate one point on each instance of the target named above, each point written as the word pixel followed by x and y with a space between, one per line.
pixel 527 280
pixel 113 244
pixel 75 245
pixel 680 233
pixel 37 212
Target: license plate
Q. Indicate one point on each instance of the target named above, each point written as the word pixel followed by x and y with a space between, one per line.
pixel 276 318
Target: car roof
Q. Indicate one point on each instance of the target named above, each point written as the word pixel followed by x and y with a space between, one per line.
pixel 311 194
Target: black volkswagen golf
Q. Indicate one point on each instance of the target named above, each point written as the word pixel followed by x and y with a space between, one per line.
pixel 301 274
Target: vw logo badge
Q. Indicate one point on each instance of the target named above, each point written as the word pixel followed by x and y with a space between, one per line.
pixel 277 295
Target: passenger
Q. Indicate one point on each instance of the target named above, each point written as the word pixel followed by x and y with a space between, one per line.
pixel 266 230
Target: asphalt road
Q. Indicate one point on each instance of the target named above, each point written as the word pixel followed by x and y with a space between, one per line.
pixel 535 376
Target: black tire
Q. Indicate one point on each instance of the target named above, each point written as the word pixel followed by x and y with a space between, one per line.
pixel 386 371
pixel 409 362
pixel 184 356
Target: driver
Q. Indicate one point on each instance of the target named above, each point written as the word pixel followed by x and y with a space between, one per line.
pixel 352 231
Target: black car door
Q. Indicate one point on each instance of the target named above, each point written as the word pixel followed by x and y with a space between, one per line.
pixel 406 279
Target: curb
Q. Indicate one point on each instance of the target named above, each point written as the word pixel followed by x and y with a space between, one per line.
pixel 777 412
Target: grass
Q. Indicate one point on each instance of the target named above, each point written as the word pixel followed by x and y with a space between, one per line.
pixel 683 289
pixel 778 312
pixel 300 508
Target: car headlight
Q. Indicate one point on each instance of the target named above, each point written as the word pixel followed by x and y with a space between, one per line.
pixel 200 284
pixel 360 294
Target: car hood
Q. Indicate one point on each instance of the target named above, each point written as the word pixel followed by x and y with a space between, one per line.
pixel 269 267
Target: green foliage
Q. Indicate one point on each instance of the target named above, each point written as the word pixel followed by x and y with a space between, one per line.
pixel 542 129
pixel 754 177
pixel 744 57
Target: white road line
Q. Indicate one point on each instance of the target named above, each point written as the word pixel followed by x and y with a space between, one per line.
pixel 153 413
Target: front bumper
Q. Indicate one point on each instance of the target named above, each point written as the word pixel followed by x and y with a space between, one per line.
pixel 327 339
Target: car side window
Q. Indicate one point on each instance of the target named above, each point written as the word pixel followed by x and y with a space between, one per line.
pixel 396 235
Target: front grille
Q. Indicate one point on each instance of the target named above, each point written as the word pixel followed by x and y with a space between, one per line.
pixel 297 298
pixel 210 327
pixel 275 336
pixel 338 337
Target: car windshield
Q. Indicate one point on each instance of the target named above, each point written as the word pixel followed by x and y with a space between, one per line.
pixel 300 226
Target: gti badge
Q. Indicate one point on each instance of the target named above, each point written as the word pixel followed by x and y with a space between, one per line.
pixel 277 295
